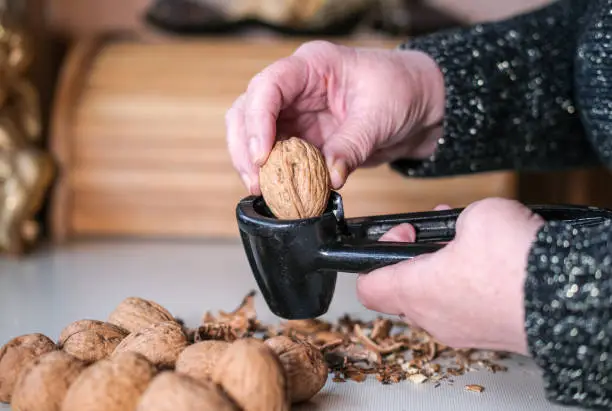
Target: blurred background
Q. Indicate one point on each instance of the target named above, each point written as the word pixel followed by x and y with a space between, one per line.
pixel 128 137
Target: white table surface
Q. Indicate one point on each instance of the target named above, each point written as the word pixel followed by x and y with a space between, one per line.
pixel 51 288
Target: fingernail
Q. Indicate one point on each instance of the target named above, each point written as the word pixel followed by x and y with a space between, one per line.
pixel 254 150
pixel 338 174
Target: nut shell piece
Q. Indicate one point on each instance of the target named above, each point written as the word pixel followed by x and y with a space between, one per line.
pixel 252 375
pixel 171 391
pixel 160 343
pixel 200 359
pixel 294 180
pixel 16 354
pixel 304 365
pixel 111 384
pixel 135 313
pixel 44 382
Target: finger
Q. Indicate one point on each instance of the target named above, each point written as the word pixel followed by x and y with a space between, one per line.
pixel 400 233
pixel 442 207
pixel 389 289
pixel 273 89
pixel 236 142
pixel 348 148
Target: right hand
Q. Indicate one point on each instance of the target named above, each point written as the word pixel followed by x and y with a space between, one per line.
pixel 360 107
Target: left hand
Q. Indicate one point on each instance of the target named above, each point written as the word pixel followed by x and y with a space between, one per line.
pixel 470 293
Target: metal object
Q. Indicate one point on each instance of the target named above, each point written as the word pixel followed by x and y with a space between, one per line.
pixel 26 171
pixel 296 262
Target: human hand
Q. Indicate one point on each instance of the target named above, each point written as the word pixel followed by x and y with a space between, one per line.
pixel 360 107
pixel 470 293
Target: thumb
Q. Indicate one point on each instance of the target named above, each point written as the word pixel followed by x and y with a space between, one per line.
pixel 348 148
pixel 389 289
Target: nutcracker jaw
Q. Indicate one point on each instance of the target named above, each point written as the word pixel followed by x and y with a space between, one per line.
pixel 296 262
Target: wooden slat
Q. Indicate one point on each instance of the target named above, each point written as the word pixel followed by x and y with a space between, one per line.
pixel 143 147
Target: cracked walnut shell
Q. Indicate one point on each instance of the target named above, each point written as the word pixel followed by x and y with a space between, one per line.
pixel 295 181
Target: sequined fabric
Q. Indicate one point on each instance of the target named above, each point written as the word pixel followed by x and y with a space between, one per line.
pixel 509 95
pixel 568 300
pixel 535 93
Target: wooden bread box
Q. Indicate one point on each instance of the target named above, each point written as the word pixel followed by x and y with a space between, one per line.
pixel 138 131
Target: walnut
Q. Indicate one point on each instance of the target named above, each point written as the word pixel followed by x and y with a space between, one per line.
pixel 295 181
pixel 199 359
pixel 44 382
pixel 171 391
pixel 93 341
pixel 304 365
pixel 86 324
pixel 112 384
pixel 253 376
pixel 134 314
pixel 15 355
pixel 160 343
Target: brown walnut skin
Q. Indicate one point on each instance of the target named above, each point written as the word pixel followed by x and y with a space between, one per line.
pixel 93 344
pixel 112 384
pixel 200 359
pixel 171 391
pixel 43 383
pixel 294 180
pixel 161 343
pixel 17 354
pixel 134 314
pixel 82 325
pixel 304 365
pixel 253 376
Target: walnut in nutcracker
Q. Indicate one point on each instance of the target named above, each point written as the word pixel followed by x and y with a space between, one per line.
pixel 253 376
pixel 304 365
pixel 43 383
pixel 15 355
pixel 294 180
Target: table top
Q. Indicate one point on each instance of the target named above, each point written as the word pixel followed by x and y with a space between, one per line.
pixel 55 286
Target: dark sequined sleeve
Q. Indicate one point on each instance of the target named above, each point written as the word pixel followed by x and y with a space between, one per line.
pixel 568 292
pixel 568 296
pixel 509 95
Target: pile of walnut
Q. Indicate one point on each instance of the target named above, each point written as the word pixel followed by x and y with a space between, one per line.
pixel 143 358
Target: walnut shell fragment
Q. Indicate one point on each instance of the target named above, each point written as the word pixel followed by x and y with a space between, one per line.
pixel 294 180
pixel 94 342
pixel 170 391
pixel 134 314
pixel 199 360
pixel 160 343
pixel 43 383
pixel 253 376
pixel 87 324
pixel 111 384
pixel 304 365
pixel 17 354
